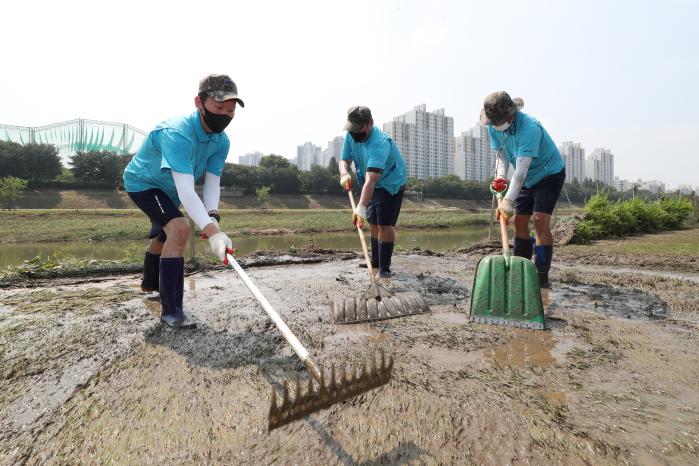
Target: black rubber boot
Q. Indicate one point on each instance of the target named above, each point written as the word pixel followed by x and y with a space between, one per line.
pixel 172 292
pixel 385 254
pixel 374 254
pixel 524 247
pixel 542 261
pixel 151 273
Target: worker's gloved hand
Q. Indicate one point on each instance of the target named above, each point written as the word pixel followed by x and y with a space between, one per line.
pixel 506 208
pixel 346 181
pixel 221 245
pixel 359 216
pixel 499 185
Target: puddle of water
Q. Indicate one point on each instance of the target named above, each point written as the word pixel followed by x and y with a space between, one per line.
pixel 356 333
pixel 618 302
pixel 447 358
pixel 435 240
pixel 535 348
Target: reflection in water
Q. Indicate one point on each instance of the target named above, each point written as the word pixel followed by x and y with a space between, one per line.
pixel 435 240
pixel 524 349
pixel 153 305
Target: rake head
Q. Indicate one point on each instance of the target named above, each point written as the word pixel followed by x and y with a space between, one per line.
pixel 339 387
pixel 366 309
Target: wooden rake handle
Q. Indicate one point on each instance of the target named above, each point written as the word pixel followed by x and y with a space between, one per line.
pixel 364 248
pixel 276 318
pixel 503 231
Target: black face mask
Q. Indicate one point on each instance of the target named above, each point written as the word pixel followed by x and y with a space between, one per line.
pixel 216 122
pixel 359 136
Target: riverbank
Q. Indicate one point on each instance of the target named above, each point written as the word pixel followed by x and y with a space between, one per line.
pixel 90 376
pixel 131 224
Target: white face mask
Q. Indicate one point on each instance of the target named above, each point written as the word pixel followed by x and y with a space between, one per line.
pixel 502 127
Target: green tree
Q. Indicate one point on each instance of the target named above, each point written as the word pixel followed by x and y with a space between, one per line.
pixel 279 174
pixel 262 195
pixel 40 162
pixel 334 168
pixel 281 180
pixel 98 167
pixel 274 161
pixel 10 189
pixel 320 180
pixel 10 159
pixel 66 176
pixel 240 176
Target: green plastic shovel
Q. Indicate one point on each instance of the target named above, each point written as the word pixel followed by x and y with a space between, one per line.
pixel 506 289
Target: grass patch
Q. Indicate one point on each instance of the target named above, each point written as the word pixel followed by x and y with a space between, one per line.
pixel 681 243
pixel 132 224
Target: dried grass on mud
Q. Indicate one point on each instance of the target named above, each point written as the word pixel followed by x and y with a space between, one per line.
pixel 89 376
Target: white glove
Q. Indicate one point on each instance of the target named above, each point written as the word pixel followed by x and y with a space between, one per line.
pixel 221 245
pixel 346 181
pixel 506 208
pixel 359 216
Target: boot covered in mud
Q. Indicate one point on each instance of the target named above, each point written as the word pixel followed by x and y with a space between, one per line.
pixel 542 261
pixel 385 255
pixel 151 273
pixel 172 292
pixel 374 254
pixel 524 247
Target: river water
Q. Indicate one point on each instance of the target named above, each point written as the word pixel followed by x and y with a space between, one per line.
pixel 432 239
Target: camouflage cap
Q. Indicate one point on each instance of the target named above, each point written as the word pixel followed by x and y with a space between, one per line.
pixel 498 107
pixel 357 117
pixel 220 87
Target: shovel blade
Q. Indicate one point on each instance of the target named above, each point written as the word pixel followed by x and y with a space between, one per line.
pixel 506 292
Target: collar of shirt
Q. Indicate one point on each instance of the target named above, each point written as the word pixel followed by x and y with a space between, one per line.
pixel 203 136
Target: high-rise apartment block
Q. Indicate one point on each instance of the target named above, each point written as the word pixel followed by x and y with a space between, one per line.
pixel 574 157
pixel 599 166
pixel 334 150
pixel 473 158
pixel 307 155
pixel 426 140
pixel 251 159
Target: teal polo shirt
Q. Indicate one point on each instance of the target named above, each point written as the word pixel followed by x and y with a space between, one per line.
pixel 378 151
pixel 178 144
pixel 526 137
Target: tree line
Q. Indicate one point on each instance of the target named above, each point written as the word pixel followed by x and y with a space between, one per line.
pixel 40 166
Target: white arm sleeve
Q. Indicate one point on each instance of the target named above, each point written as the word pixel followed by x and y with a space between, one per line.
pixel 502 165
pixel 212 191
pixel 191 202
pixel 518 178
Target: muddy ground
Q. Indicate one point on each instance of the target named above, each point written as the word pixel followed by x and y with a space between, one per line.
pixel 88 374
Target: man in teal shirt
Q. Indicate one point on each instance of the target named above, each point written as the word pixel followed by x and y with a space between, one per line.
pixel 161 176
pixel 539 174
pixel 381 171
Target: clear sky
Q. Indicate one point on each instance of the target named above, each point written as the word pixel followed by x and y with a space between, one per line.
pixel 618 74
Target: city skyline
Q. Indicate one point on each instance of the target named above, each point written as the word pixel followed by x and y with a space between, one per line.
pixel 470 156
pixel 604 74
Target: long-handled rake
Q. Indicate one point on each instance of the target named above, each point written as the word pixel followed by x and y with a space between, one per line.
pixel 377 302
pixel 336 388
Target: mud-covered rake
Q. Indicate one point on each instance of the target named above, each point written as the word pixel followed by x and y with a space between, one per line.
pixel 333 389
pixel 377 302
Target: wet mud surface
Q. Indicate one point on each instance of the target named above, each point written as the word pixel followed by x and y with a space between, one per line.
pixel 88 375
